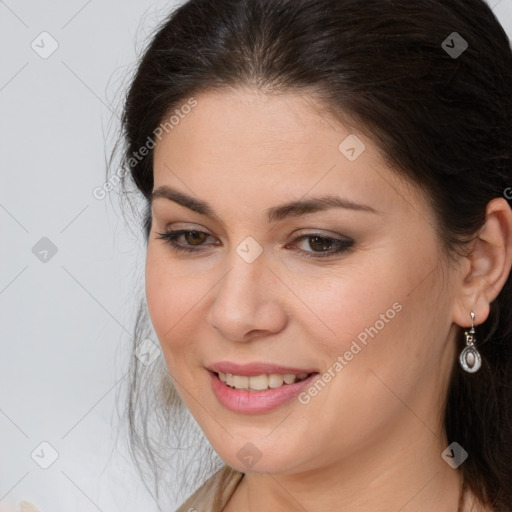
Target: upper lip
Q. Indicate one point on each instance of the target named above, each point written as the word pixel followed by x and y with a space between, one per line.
pixel 257 368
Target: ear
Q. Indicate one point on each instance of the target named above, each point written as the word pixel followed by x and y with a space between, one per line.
pixel 486 267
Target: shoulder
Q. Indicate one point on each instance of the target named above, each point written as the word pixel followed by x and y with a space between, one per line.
pixel 213 495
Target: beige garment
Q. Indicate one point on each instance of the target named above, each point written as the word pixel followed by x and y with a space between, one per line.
pixel 26 506
pixel 214 494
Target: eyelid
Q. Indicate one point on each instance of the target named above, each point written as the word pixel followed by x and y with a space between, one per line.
pixel 321 233
pixel 185 226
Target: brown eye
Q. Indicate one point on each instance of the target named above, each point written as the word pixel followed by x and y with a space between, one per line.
pixel 194 237
pixel 321 246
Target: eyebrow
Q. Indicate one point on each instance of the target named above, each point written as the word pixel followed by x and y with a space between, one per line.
pixel 274 214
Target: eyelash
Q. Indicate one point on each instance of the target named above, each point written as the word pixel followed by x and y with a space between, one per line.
pixel 170 238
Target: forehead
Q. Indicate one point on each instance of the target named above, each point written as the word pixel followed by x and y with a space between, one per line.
pixel 248 123
pixel 272 146
pixel 244 130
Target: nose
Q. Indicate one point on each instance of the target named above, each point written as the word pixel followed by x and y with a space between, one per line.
pixel 247 302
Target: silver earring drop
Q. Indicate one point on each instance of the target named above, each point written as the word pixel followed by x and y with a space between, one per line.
pixel 470 358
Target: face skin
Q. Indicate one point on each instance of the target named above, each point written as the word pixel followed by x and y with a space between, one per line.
pixel 372 438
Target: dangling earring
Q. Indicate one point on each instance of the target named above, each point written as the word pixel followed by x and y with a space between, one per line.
pixel 470 358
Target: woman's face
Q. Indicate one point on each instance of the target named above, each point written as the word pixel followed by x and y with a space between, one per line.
pixel 360 296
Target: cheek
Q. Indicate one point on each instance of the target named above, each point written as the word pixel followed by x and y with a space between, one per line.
pixel 174 303
pixel 375 315
pixel 157 296
pixel 167 299
pixel 382 346
pixel 344 306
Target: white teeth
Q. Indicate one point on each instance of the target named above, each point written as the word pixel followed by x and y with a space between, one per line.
pixel 275 380
pixel 259 382
pixel 289 378
pixel 240 382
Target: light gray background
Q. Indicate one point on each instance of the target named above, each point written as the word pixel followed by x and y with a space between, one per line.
pixel 64 322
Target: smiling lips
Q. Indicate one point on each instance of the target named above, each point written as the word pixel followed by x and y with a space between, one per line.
pixel 256 387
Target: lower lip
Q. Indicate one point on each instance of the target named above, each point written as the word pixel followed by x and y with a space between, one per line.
pixel 255 402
